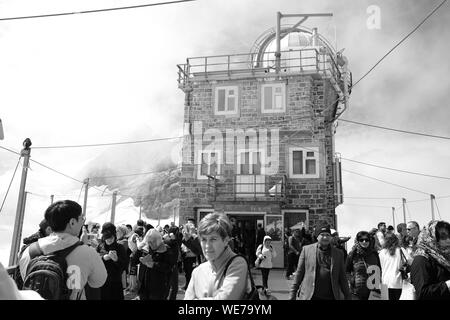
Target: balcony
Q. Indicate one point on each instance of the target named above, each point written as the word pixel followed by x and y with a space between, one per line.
pixel 311 60
pixel 248 188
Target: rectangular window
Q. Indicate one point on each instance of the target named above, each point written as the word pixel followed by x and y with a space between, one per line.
pixel 210 162
pixel 226 99
pixel 303 162
pixel 273 98
pixel 250 162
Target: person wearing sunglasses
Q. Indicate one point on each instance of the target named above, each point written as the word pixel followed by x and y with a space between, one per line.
pixel 430 270
pixel 362 255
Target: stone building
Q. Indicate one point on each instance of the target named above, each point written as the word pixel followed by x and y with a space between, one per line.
pixel 259 131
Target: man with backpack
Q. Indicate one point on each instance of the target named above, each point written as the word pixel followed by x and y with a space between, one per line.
pixel 59 266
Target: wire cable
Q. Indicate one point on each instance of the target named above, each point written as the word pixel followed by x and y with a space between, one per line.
pixel 125 175
pixel 10 183
pixel 396 130
pixel 10 150
pixel 56 171
pixel 363 205
pixel 394 184
pixel 389 52
pixel 107 144
pixel 93 11
pixel 400 42
pixel 393 169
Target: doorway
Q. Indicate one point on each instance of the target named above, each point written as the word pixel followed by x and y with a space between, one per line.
pixel 244 234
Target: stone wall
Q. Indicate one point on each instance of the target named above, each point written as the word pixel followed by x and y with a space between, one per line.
pixel 301 125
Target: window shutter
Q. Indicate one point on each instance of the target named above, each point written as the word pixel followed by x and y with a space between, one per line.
pixel 297 162
pixel 221 100
pixel 267 98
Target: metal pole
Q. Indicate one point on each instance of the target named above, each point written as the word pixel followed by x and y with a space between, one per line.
pixel 86 189
pixel 51 199
pixel 404 212
pixel 173 214
pixel 432 206
pixel 140 209
pixel 393 216
pixel 278 43
pixel 18 224
pixel 113 206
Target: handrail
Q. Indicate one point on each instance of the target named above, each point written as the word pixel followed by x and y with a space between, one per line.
pixel 318 61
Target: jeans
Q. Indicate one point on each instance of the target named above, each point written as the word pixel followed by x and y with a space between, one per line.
pixel 265 276
pixel 292 263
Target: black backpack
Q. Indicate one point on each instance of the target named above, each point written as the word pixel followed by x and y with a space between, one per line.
pixel 47 274
pixel 254 294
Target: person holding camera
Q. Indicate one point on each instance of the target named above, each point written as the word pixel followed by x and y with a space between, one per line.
pixel 265 253
pixel 114 258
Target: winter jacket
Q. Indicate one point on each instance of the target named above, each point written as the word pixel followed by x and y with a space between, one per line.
pixel 429 279
pixel 356 270
pixel 266 255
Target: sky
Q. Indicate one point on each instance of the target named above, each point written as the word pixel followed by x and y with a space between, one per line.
pixel 111 76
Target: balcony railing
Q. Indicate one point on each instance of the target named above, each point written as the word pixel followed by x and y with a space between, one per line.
pixel 248 188
pixel 307 60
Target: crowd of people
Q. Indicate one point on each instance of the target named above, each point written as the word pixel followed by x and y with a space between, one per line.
pixel 109 262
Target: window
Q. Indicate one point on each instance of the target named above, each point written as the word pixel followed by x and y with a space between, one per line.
pixel 250 162
pixel 273 98
pixel 209 164
pixel 226 100
pixel 303 162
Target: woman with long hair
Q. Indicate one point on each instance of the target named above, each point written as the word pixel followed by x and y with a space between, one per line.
pixel 359 259
pixel 391 260
pixel 430 270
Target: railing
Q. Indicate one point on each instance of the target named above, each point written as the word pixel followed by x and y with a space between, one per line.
pixel 232 66
pixel 248 187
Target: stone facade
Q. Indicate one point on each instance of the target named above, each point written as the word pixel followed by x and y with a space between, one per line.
pixel 301 125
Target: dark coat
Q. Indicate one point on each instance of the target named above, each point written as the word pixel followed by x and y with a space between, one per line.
pixel 428 279
pixel 305 275
pixel 356 268
pixel 112 289
pixel 155 280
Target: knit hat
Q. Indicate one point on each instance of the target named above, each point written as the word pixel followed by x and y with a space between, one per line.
pixel 323 229
pixel 108 230
pixel 267 238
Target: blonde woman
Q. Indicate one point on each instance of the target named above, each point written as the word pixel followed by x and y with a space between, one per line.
pixel 209 280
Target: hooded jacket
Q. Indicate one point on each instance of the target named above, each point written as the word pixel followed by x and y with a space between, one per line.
pixel 267 255
pixel 84 261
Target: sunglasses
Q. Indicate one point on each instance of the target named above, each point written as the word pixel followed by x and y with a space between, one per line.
pixel 363 240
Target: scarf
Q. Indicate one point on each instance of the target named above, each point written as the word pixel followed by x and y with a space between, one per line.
pixel 360 251
pixel 428 247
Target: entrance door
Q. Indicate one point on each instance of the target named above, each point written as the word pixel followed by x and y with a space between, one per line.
pixel 274 229
pixel 245 226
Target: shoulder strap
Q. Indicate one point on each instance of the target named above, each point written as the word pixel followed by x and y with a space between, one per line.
pixel 65 252
pixel 34 250
pixel 248 268
pixel 403 257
